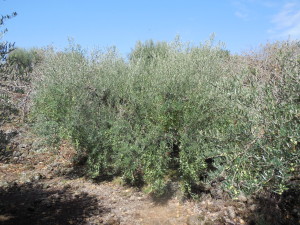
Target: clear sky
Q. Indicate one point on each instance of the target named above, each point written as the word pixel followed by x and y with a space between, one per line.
pixel 241 24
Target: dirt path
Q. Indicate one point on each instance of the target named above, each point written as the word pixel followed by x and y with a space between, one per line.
pixel 60 200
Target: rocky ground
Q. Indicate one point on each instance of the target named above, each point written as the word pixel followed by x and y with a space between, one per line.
pixel 40 185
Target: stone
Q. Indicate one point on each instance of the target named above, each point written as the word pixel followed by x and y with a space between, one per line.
pixel 242 197
pixel 252 207
pixel 37 177
pixel 22 146
pixel 16 154
pixel 231 212
pixel 45 186
pixel 250 201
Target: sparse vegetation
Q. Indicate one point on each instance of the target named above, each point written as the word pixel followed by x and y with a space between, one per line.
pixel 20 63
pixel 5 47
pixel 196 114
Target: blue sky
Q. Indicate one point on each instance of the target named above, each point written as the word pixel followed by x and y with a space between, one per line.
pixel 241 24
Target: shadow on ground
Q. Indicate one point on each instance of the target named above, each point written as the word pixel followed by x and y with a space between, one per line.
pixel 274 209
pixel 34 204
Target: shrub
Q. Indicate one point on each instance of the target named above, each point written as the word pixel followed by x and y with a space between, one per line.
pixel 20 63
pixel 195 111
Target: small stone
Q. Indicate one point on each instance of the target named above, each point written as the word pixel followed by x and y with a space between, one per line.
pixel 22 146
pixel 16 154
pixel 76 195
pixel 252 207
pixel 240 205
pixel 242 221
pixel 37 177
pixel 27 181
pixel 140 198
pixel 23 155
pixel 250 201
pixel 295 212
pixel 231 212
pixel 242 198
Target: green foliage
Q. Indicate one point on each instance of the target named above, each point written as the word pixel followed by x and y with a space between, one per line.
pixel 195 110
pixel 20 63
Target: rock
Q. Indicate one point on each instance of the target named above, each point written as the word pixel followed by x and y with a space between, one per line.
pixel 23 146
pixel 24 155
pixel 37 177
pixel 45 186
pixel 76 195
pixel 242 221
pixel 295 211
pixel 240 205
pixel 15 154
pixel 27 181
pixel 250 201
pixel 252 207
pixel 231 212
pixel 194 220
pixel 242 197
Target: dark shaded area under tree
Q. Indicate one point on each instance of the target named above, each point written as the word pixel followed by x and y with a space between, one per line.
pixel 33 204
